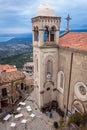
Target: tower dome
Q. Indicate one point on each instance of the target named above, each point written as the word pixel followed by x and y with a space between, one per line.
pixel 45 10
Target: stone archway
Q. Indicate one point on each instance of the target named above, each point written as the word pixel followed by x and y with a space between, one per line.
pixel 48 88
pixel 77 106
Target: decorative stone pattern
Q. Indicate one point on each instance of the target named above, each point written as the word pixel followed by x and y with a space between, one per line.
pixel 81 91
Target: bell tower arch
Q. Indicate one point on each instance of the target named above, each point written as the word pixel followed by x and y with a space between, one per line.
pixel 45 29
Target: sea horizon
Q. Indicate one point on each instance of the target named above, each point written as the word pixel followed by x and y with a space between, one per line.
pixel 7 37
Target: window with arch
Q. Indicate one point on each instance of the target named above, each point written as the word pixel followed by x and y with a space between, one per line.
pixel 60 81
pixel 36 34
pixel 4 92
pixel 46 34
pixel 37 65
pixel 52 33
pixel 23 86
pixel 49 69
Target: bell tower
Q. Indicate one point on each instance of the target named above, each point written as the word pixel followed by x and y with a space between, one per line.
pixel 45 29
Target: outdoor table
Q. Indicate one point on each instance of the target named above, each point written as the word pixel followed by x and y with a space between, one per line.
pixel 29 109
pixel 24 121
pixel 22 103
pixel 18 116
pixel 32 115
pixel 7 117
pixel 19 108
pixel 13 124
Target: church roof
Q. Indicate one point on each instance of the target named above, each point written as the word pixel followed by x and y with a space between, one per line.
pixel 75 40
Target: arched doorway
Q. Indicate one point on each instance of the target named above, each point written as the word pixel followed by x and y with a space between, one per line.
pixel 48 92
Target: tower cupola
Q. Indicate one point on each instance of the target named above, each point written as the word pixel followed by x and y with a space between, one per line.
pixel 45 10
pixel 46 26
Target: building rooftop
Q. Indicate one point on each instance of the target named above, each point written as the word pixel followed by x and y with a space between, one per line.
pixel 10 76
pixel 29 64
pixel 75 40
pixel 7 68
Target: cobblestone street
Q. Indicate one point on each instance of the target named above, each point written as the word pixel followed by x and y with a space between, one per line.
pixel 39 122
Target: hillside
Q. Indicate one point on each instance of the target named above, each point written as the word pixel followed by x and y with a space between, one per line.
pixel 17 45
pixel 18 59
pixel 17 50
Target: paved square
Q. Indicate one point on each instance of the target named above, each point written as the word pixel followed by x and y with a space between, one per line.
pixel 38 121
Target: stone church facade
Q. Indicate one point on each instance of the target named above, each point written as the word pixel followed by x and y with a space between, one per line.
pixel 60 63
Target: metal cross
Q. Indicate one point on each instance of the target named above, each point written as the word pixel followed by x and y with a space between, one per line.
pixel 68 19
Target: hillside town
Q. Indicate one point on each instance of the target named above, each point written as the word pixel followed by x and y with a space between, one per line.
pixel 51 92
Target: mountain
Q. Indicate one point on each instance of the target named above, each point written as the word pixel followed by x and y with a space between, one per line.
pixel 18 49
pixel 20 43
pixel 17 45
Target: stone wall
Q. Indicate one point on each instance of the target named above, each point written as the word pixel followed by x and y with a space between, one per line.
pixel 79 74
pixel 77 66
pixel 64 60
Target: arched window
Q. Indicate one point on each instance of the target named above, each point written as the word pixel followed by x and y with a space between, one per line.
pixel 23 86
pixel 60 81
pixel 37 65
pixel 46 34
pixel 4 92
pixel 36 34
pixel 49 66
pixel 49 69
pixel 52 33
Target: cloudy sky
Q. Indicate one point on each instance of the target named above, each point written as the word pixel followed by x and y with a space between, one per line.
pixel 15 15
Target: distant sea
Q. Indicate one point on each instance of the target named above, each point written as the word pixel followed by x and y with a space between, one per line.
pixel 7 37
pixel 3 39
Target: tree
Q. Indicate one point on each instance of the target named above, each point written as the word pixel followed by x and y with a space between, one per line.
pixel 76 118
pixel 84 119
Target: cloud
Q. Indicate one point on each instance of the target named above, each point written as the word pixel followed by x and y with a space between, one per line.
pixel 17 14
pixel 16 30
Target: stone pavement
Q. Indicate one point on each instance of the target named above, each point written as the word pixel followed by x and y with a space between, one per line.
pixel 39 122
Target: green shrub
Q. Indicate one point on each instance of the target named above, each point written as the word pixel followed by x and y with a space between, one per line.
pixel 76 118
pixel 84 119
pixel 55 124
pixel 61 121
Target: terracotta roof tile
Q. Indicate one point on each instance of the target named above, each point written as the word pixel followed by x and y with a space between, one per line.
pixel 76 40
pixel 7 68
pixel 10 76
